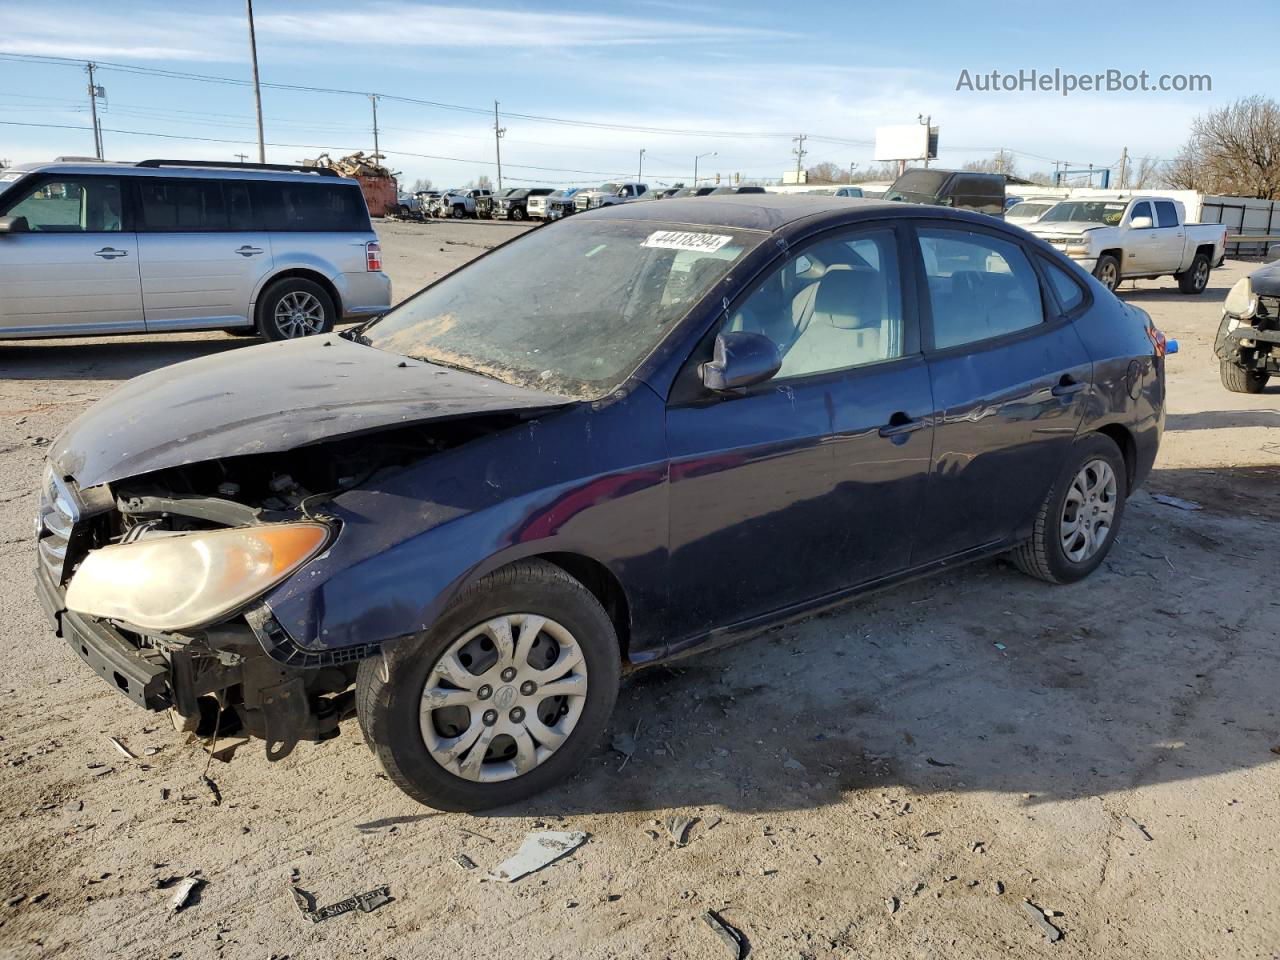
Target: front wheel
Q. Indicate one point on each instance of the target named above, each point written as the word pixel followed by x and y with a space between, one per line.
pixel 1107 271
pixel 1195 278
pixel 501 698
pixel 1078 520
pixel 459 212
pixel 1239 380
pixel 517 214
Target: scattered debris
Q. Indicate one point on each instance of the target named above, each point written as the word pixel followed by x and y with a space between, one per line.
pixel 1036 915
pixel 15 900
pixel 997 887
pixel 364 902
pixel 677 828
pixel 213 789
pixel 999 646
pixel 891 904
pixel 478 836
pixel 1178 502
pixel 182 895
pixel 465 862
pixel 537 851
pixel 1136 826
pixel 626 744
pixel 713 822
pixel 124 751
pixel 732 936
pixel 937 763
pixel 74 806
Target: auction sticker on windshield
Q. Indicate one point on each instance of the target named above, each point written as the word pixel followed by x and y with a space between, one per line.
pixel 681 240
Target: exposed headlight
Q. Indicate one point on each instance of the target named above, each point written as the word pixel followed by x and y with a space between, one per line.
pixel 190 579
pixel 1240 301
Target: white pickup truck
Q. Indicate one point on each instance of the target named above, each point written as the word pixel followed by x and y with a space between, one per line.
pixel 1124 238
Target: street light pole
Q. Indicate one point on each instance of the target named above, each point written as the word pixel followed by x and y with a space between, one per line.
pixel 695 164
pixel 640 171
pixel 257 90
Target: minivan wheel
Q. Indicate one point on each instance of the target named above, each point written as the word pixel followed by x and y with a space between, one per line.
pixel 1107 271
pixel 1077 522
pixel 502 697
pixel 294 308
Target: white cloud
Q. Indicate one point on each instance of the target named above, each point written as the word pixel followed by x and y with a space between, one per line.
pixel 155 34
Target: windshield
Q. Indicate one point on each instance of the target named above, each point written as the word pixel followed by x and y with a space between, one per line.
pixel 609 187
pixel 571 310
pixel 917 186
pixel 1027 209
pixel 1086 211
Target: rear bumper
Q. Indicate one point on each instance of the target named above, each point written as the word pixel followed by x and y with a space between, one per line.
pixel 364 294
pixel 123 666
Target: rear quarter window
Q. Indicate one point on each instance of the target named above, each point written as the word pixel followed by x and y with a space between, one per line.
pixel 310 207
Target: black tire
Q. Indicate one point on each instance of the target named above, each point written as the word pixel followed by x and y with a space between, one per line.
pixel 1195 278
pixel 1043 556
pixel 389 708
pixel 459 211
pixel 518 214
pixel 1107 271
pixel 270 329
pixel 1239 380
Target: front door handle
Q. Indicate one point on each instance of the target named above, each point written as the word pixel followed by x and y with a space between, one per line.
pixel 900 425
pixel 110 253
pixel 1068 386
pixel 248 251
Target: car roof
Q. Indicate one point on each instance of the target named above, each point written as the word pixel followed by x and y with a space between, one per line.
pixel 91 167
pixel 772 211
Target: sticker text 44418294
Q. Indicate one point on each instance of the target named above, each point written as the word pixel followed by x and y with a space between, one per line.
pixel 682 240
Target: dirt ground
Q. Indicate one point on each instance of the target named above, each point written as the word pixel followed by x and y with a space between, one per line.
pixel 890 780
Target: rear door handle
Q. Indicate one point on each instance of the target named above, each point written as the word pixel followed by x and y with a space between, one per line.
pixel 110 253
pixel 1068 386
pixel 248 251
pixel 900 425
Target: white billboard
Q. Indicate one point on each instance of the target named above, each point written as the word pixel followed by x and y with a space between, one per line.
pixel 906 141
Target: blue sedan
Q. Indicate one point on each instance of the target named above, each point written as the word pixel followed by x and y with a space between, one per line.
pixel 599 445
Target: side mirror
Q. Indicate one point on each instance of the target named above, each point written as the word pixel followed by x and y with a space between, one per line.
pixel 14 225
pixel 741 359
pixel 1140 223
pixel 947 202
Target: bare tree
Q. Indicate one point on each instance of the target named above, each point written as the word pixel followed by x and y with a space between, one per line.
pixel 827 172
pixel 885 171
pixel 1234 151
pixel 1001 161
pixel 421 184
pixel 483 182
pixel 1148 173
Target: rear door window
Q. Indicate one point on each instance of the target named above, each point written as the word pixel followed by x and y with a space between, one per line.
pixel 1166 214
pixel 314 207
pixel 199 206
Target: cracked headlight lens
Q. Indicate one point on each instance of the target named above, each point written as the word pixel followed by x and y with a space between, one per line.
pixel 190 580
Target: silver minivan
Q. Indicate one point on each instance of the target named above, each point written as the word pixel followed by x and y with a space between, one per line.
pixel 90 248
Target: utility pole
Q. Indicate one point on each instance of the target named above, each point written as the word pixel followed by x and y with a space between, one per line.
pixel 497 142
pixel 799 151
pixel 1124 163
pixel 373 99
pixel 695 164
pixel 851 169
pixel 640 171
pixel 257 90
pixel 93 109
pixel 928 135
pixel 242 157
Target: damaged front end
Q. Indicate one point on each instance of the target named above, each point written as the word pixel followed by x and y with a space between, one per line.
pixel 1249 334
pixel 158 581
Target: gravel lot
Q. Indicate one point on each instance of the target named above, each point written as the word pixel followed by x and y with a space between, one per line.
pixel 892 779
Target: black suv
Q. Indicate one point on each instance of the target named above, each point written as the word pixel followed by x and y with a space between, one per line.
pixel 514 204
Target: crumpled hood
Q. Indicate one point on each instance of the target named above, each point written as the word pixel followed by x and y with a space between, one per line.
pixel 270 398
pixel 1266 282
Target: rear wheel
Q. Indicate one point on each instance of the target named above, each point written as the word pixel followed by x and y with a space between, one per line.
pixel 294 308
pixel 459 211
pixel 1107 271
pixel 1196 277
pixel 501 698
pixel 1079 518
pixel 1239 380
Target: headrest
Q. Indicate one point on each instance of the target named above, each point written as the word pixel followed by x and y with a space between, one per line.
pixel 849 299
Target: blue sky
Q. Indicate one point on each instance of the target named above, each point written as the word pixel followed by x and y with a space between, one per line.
pixel 739 79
